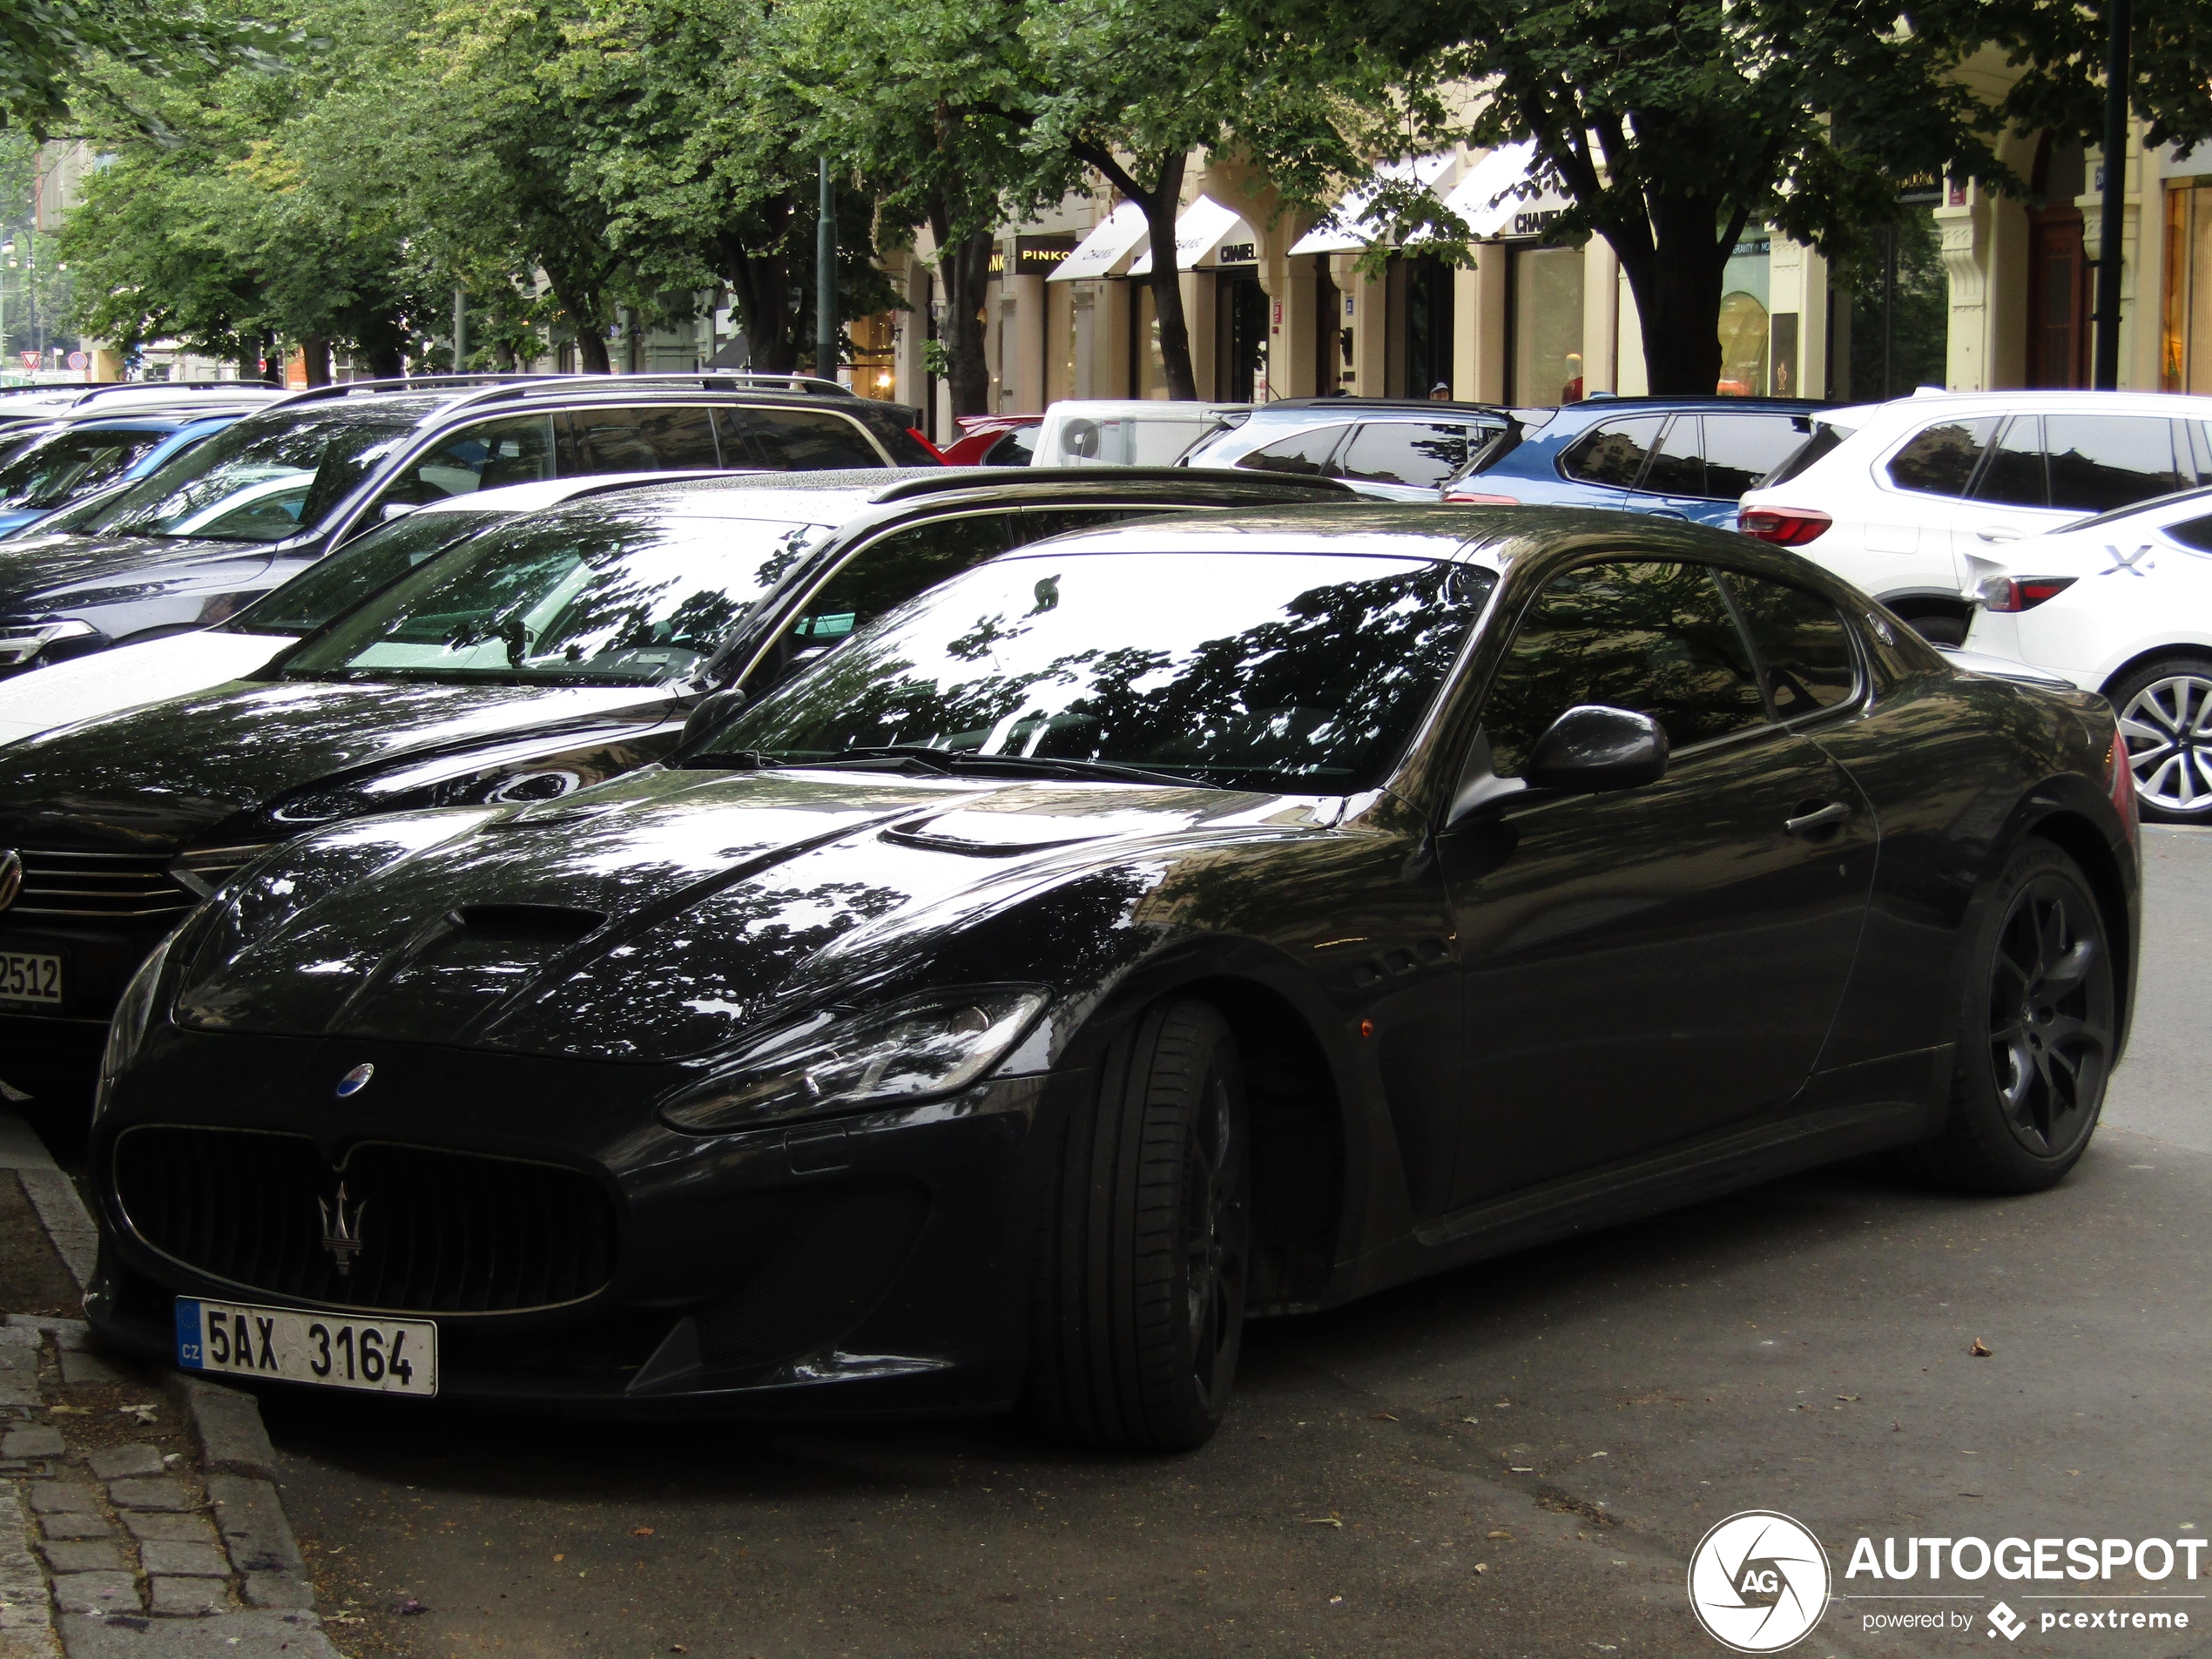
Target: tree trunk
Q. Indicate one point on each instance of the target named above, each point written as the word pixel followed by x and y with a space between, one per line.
pixel 1161 204
pixel 1676 279
pixel 964 268
pixel 315 350
pixel 582 308
pixel 760 289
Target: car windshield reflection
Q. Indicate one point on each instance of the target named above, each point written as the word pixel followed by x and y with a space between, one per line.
pixel 591 595
pixel 1294 672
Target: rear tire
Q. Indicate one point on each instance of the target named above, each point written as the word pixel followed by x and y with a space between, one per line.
pixel 2165 710
pixel 2037 1032
pixel 1143 1245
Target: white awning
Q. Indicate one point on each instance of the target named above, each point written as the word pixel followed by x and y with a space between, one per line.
pixel 1347 228
pixel 1111 241
pixel 1201 227
pixel 1492 200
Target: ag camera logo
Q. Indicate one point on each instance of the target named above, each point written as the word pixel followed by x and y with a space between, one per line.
pixel 1758 1582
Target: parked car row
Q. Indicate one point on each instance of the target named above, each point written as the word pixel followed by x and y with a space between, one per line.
pixel 639 920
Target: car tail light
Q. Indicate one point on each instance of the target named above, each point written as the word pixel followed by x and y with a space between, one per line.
pixel 2121 766
pixel 2011 593
pixel 1783 526
pixel 920 439
pixel 1470 498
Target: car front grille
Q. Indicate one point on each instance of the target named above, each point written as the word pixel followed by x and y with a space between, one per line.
pixel 416 1231
pixel 119 887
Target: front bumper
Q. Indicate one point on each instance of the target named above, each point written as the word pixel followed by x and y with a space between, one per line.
pixel 868 1264
pixel 51 1052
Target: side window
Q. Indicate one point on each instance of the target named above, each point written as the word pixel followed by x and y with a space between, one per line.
pixel 1024 527
pixel 1940 459
pixel 2192 532
pixel 1306 452
pixel 2100 462
pixel 647 439
pixel 797 441
pixel 1017 449
pixel 518 450
pixel 1653 638
pixel 2014 474
pixel 1679 467
pixel 1741 450
pixel 1803 649
pixel 1422 454
pixel 885 573
pixel 1612 453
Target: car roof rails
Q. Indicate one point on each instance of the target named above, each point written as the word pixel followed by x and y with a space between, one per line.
pixel 703 380
pixel 418 383
pixel 943 480
pixel 164 389
pixel 1352 402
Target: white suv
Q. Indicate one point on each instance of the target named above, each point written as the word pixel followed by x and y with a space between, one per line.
pixel 1894 497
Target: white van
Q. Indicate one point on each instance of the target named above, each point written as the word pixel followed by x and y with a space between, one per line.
pixel 1124 432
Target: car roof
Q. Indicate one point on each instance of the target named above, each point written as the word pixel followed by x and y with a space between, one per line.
pixel 1354 406
pixel 833 497
pixel 551 492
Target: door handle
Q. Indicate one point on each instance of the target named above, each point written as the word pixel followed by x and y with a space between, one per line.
pixel 1820 819
pixel 1998 534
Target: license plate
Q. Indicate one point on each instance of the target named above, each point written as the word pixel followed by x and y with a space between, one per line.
pixel 25 978
pixel 323 1350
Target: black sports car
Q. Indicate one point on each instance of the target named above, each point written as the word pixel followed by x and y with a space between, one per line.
pixel 549 652
pixel 1149 928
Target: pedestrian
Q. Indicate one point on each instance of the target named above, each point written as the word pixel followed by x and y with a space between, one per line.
pixel 1441 392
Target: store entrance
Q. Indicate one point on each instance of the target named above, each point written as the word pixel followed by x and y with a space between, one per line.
pixel 2057 270
pixel 1240 333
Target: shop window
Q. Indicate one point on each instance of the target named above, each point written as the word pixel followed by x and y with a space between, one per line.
pixel 1545 300
pixel 1940 459
pixel 1744 318
pixel 874 343
pixel 2185 363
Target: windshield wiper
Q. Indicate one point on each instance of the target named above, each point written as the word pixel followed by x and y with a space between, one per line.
pixel 948 761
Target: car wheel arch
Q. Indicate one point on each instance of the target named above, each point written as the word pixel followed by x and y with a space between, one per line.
pixel 1301 1094
pixel 2171 650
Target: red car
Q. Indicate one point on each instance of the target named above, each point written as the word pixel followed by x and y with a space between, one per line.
pixel 995 441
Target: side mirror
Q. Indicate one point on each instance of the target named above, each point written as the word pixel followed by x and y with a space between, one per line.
pixel 710 714
pixel 1592 747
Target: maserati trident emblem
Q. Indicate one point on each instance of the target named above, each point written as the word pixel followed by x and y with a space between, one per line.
pixel 354 1080
pixel 342 1231
pixel 10 876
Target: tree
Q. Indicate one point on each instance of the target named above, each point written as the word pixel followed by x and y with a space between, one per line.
pixel 1132 88
pixel 699 150
pixel 1673 125
pixel 919 102
pixel 54 50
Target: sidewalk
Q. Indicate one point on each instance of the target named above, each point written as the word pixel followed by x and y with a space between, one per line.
pixel 145 1521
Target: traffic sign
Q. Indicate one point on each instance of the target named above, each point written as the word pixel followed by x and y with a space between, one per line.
pixel 79 360
pixel 31 360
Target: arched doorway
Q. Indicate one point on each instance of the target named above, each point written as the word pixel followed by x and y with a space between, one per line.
pixel 2058 270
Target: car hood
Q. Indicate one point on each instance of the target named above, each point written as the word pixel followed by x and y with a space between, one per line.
pixel 39 572
pixel 160 777
pixel 129 676
pixel 663 916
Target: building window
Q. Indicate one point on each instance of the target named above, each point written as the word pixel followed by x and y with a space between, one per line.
pixel 2185 357
pixel 1544 307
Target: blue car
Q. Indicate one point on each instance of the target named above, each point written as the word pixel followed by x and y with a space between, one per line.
pixel 81 458
pixel 1672 457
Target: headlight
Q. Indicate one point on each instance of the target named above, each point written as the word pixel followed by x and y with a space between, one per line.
pixel 128 1029
pixel 933 1045
pixel 23 647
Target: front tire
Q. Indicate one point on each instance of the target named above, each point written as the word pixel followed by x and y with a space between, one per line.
pixel 2037 1033
pixel 2165 710
pixel 1143 1245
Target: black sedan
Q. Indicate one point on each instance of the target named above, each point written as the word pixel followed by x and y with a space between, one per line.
pixel 550 651
pixel 1158 925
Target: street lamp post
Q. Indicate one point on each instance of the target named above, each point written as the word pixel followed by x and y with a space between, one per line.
pixel 825 279
pixel 2118 25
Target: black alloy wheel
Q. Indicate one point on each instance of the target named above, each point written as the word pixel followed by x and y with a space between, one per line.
pixel 2039 1032
pixel 1143 1246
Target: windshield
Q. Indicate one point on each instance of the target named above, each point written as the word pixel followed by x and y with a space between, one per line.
pixel 268 477
pixel 1826 435
pixel 1294 671
pixel 336 582
pixel 48 473
pixel 583 596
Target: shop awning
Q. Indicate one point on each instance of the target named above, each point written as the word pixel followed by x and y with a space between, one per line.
pixel 1347 228
pixel 1493 201
pixel 1116 237
pixel 1201 228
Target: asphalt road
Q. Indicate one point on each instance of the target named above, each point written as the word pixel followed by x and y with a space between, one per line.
pixel 1513 1460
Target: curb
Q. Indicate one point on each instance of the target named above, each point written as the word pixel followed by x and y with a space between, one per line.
pixel 236 1456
